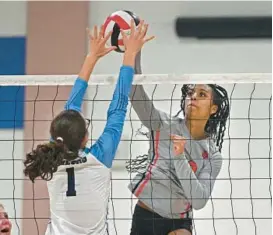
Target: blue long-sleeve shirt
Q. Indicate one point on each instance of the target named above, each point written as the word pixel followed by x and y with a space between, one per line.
pixel 106 146
pixel 79 190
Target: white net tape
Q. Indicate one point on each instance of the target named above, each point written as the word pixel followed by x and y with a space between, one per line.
pixel 53 80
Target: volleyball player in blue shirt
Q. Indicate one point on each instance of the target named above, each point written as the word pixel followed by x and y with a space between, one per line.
pixel 79 177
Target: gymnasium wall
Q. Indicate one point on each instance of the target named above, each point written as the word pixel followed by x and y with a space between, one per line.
pixel 55 48
pixel 170 54
pixel 13 31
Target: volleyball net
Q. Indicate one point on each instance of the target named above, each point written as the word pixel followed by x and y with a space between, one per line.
pixel 241 202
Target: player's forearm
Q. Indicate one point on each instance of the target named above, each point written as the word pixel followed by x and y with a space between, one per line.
pixel 117 110
pixel 77 93
pixel 122 90
pixel 144 107
pixel 197 192
pixel 106 146
pixel 88 67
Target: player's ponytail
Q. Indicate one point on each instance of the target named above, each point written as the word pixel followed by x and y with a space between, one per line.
pixel 44 160
pixel 68 131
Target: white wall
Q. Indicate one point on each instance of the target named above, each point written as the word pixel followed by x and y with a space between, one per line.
pixel 13 22
pixel 169 54
pixel 245 156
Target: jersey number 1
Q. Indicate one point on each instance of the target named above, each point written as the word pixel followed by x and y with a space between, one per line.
pixel 70 182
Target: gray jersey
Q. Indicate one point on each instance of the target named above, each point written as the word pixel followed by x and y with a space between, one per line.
pixel 173 185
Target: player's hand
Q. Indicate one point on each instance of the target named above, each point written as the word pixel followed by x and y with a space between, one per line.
pixel 97 43
pixel 135 41
pixel 178 144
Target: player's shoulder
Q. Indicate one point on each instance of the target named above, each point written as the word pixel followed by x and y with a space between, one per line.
pixel 169 120
pixel 177 124
pixel 214 151
pixel 85 159
pixel 212 147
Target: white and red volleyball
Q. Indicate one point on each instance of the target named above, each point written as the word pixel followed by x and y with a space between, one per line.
pixel 116 21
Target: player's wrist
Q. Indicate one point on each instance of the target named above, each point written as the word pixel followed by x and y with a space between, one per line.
pixel 91 59
pixel 129 53
pixel 87 67
pixel 129 58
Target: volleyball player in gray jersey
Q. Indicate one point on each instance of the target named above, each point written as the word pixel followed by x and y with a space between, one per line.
pixel 183 161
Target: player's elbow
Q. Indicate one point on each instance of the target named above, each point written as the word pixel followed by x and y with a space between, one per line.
pixel 116 116
pixel 72 107
pixel 199 204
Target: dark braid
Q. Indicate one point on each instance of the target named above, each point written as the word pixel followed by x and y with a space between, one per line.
pixel 216 124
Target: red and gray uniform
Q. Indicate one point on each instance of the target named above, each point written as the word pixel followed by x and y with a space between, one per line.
pixel 173 185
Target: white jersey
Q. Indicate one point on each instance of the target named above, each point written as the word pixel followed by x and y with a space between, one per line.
pixel 79 191
pixel 86 211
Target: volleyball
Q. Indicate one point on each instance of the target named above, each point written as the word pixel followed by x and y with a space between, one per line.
pixel 116 21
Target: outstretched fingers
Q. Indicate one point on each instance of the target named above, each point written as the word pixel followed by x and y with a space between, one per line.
pixel 133 30
pixel 95 32
pixel 90 36
pixel 143 31
pixel 139 29
pixel 101 34
pixel 109 49
pixel 107 36
pixel 97 41
pixel 149 39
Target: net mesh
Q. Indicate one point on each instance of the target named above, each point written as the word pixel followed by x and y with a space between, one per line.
pixel 241 201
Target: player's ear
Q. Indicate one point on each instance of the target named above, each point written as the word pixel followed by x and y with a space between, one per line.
pixel 213 109
pixel 85 140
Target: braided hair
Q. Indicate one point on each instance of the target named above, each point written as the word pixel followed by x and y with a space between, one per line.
pixel 216 125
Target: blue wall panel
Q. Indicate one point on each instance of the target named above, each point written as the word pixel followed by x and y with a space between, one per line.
pixel 12 62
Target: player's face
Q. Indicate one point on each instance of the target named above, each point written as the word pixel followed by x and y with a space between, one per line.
pixel 5 224
pixel 199 103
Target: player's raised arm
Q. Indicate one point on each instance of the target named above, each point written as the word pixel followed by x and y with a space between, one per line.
pixel 143 106
pixel 68 129
pixel 105 148
pixel 97 50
